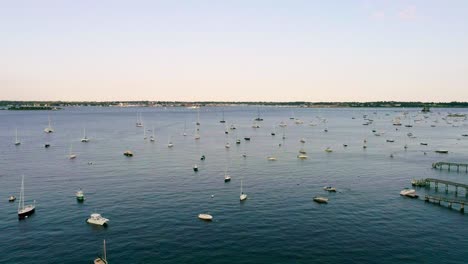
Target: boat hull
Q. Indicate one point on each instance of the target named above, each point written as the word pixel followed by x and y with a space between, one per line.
pixel 26 213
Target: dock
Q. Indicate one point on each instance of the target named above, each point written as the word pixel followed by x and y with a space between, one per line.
pixel 449 165
pixel 449 201
pixel 447 184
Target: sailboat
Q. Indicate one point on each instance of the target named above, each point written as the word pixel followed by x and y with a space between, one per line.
pixel 71 155
pixel 144 134
pixel 243 196
pixel 185 128
pixel 152 137
pixel 103 259
pixel 198 116
pixel 17 142
pixel 85 138
pixel 273 133
pixel 169 144
pixel 227 178
pixel 197 134
pixel 139 122
pixel 258 115
pixel 222 120
pixel 24 211
pixel 49 128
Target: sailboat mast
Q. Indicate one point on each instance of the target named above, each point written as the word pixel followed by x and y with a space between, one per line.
pixel 16 135
pixel 105 257
pixel 241 187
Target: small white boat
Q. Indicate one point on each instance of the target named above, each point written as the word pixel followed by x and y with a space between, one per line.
pixel 80 195
pixel 128 153
pixel 227 178
pixel 329 189
pixel 139 122
pixel 103 259
pixel 12 198
pixel 85 139
pixel 49 128
pixel 195 167
pixel 302 140
pixel 283 124
pixel 97 219
pixel 302 156
pixel 320 199
pixel 205 217
pixel 271 158
pixel 328 150
pixel 242 196
pixel 299 122
pixel 409 193
pixel 70 154
pixel 227 145
pixel 17 141
pixel 170 145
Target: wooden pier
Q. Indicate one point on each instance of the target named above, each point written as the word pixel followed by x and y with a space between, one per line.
pixel 447 184
pixel 450 165
pixel 450 202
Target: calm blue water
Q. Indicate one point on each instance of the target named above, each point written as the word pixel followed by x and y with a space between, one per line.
pixel 153 199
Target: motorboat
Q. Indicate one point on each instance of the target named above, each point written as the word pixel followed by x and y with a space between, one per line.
pixel 195 167
pixel 329 189
pixel 238 141
pixel 409 193
pixel 320 199
pixel 423 144
pixel 128 153
pixel 302 151
pixel 302 140
pixel 328 150
pixel 227 145
pixel 247 138
pixel 205 217
pixel 302 156
pixel 97 219
pixel 390 140
pixel 271 158
pixel 46 145
pixel 441 151
pixel 227 178
pixel 80 196
pixel 12 198
pixel 202 157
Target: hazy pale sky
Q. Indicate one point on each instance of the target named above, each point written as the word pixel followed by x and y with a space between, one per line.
pixel 329 50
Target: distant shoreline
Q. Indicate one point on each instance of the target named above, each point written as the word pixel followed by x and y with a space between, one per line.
pixel 56 105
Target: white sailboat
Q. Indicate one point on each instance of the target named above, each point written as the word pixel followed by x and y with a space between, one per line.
pixel 227 177
pixel 24 211
pixel 169 143
pixel 185 128
pixel 17 141
pixel 139 122
pixel 103 259
pixel 70 154
pixel 49 128
pixel 197 134
pixel 243 196
pixel 85 138
pixel 152 137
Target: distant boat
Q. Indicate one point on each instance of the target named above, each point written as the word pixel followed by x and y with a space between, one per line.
pixel 17 141
pixel 271 158
pixel 206 217
pixel 302 140
pixel 169 143
pixel 12 198
pixel 128 153
pixel 302 156
pixel 390 140
pixel 441 151
pixel 49 128
pixel 185 128
pixel 197 134
pixel 152 137
pixel 202 157
pixel 139 122
pixel 85 138
pixel 273 133
pixel 227 145
pixel 70 154
pixel 255 125
pixel 97 219
pixel 195 167
pixel 24 211
pixel 258 115
pixel 46 145
pixel 283 124
pixel 247 138
pixel 198 116
pixel 103 258
pixel 423 144
pixel 329 189
pixel 222 120
pixel 243 196
pixel 79 196
pixel 328 149
pixel 227 178
pixel 238 141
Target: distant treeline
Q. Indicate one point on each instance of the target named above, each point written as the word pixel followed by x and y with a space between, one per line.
pixel 34 105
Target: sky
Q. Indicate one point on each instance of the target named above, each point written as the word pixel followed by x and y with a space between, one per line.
pixel 243 50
